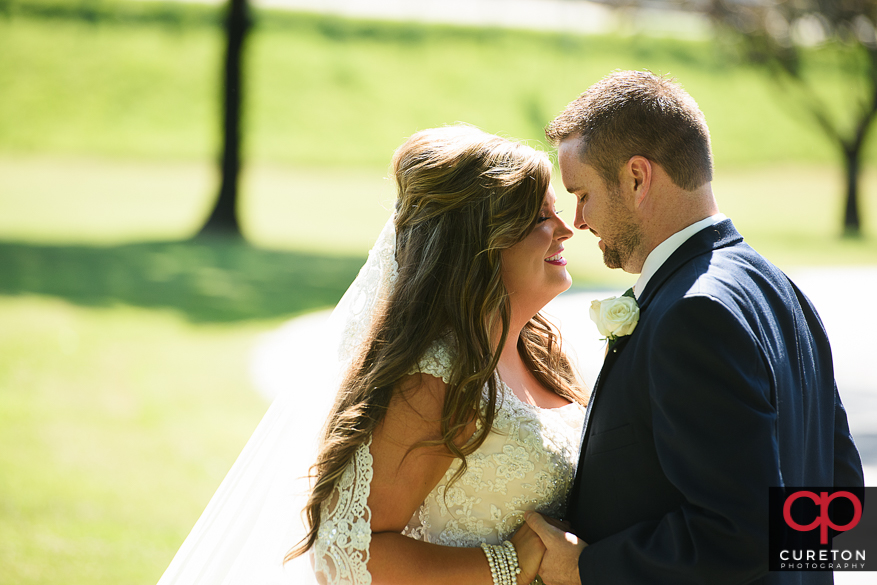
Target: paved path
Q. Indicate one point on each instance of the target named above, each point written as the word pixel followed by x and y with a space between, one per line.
pixel 560 15
pixel 575 16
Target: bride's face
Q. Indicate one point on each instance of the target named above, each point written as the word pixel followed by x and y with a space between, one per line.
pixel 533 270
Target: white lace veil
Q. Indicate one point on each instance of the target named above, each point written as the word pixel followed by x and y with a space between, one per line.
pixel 254 518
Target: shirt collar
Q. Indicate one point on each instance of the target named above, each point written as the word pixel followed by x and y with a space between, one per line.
pixel 666 248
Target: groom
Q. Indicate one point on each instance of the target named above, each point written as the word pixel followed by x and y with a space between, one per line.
pixel 724 388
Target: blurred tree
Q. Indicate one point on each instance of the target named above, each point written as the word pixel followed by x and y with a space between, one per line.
pixel 223 218
pixel 778 35
pixel 776 31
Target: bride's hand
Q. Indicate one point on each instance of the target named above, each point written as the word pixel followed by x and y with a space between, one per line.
pixel 530 551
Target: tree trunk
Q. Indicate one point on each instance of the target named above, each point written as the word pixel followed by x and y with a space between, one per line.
pixel 223 219
pixel 852 225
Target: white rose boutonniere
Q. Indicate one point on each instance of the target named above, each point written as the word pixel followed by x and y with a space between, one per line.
pixel 616 316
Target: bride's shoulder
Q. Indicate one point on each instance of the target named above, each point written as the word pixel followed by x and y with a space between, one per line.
pixel 438 359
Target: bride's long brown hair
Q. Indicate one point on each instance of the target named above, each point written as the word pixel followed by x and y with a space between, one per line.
pixel 463 197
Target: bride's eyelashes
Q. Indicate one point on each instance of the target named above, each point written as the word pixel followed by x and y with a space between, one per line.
pixel 546 217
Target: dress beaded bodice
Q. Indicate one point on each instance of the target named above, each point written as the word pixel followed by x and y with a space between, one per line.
pixel 527 462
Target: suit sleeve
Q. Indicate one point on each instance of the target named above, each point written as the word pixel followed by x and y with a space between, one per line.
pixel 848 470
pixel 714 431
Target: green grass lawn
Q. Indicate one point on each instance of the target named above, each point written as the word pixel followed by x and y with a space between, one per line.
pixel 117 424
pixel 324 91
pixel 120 114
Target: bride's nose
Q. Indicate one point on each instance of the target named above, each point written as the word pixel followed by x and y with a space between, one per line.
pixel 563 231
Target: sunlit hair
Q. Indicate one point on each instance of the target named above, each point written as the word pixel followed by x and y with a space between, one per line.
pixel 630 113
pixel 463 197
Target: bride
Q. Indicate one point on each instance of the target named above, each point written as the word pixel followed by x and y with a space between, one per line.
pixel 457 411
pixel 428 453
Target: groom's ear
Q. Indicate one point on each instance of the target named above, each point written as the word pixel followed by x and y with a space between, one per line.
pixel 639 172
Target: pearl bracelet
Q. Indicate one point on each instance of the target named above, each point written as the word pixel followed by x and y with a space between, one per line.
pixel 503 562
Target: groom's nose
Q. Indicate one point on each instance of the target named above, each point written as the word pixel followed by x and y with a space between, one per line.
pixel 580 222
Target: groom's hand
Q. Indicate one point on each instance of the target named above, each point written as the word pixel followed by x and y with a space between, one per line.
pixel 530 552
pixel 560 565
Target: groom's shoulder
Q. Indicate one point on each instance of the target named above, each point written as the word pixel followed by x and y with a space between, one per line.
pixel 745 264
pixel 717 260
pixel 735 275
pixel 733 293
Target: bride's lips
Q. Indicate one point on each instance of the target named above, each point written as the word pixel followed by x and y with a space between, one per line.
pixel 557 259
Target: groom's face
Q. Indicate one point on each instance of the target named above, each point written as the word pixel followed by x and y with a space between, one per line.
pixel 600 209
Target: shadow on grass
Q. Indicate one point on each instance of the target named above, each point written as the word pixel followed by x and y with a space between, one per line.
pixel 207 280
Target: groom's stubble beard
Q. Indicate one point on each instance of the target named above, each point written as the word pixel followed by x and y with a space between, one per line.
pixel 625 235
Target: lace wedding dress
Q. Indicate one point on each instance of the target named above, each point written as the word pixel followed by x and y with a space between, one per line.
pixel 526 463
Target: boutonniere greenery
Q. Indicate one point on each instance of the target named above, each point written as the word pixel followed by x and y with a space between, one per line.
pixel 616 316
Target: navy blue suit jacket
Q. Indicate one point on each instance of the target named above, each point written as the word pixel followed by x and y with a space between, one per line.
pixel 725 388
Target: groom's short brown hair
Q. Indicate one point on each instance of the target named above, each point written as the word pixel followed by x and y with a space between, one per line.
pixel 630 113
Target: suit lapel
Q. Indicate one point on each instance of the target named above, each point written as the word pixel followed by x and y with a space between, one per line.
pixel 611 357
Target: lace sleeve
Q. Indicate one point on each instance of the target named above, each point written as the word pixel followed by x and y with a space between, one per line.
pixel 436 361
pixel 341 550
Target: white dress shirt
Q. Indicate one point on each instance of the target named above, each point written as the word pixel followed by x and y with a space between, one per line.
pixel 666 248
